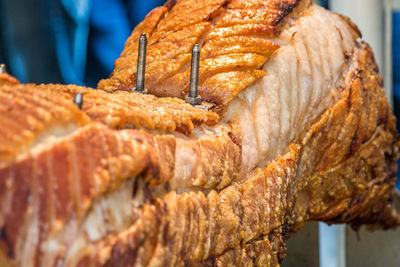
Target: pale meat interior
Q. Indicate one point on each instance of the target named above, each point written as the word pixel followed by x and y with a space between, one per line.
pixel 302 80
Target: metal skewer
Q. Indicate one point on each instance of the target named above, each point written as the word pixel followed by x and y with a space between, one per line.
pixel 3 69
pixel 193 97
pixel 141 64
pixel 78 100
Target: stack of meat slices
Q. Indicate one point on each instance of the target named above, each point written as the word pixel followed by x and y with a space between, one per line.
pixel 299 130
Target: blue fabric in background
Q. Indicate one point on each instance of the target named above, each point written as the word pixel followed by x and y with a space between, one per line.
pixel 70 23
pixel 396 72
pixel 27 41
pixel 110 27
pixel 66 41
pixel 111 24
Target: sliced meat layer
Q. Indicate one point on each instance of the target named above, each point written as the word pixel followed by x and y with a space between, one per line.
pixel 303 78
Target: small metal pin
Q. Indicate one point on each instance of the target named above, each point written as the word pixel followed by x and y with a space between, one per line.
pixel 3 69
pixel 193 97
pixel 78 100
pixel 141 64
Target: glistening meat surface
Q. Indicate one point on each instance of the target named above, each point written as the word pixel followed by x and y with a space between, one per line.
pixel 299 130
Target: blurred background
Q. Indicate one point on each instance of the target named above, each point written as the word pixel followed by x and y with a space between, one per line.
pixel 77 42
pixel 66 41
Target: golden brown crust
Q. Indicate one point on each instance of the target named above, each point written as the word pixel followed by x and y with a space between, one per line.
pixel 66 177
pixel 267 251
pixel 228 226
pixel 147 26
pixel 215 25
pixel 6 79
pixel 357 164
pixel 26 112
pixel 341 170
pixel 191 227
pixel 134 110
pixel 29 111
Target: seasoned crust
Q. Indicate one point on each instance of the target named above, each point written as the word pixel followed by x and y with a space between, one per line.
pixel 64 178
pixel 324 177
pixel 355 173
pixel 216 25
pixel 25 113
pixel 342 170
pixel 125 110
pixel 6 79
pixel 29 113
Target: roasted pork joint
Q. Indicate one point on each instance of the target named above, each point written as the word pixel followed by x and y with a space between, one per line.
pixel 297 128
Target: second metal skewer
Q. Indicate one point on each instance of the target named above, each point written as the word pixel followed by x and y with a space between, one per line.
pixel 193 97
pixel 78 100
pixel 3 69
pixel 141 64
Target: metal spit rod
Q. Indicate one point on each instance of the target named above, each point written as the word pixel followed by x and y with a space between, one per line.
pixel 141 64
pixel 3 69
pixel 193 97
pixel 78 100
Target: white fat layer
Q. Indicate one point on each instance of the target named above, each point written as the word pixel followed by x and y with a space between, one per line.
pixel 47 138
pixel 25 248
pixel 185 163
pixel 187 157
pixel 301 82
pixel 109 214
pixel 52 135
